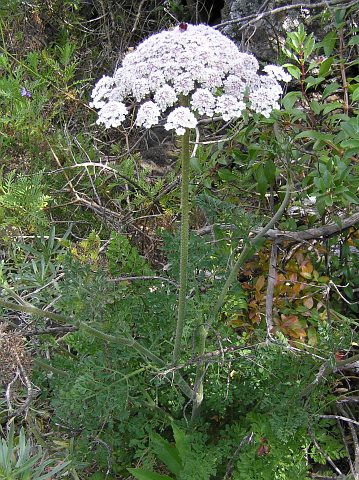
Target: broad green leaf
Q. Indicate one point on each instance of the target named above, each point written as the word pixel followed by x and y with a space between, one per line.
pixel 329 42
pixel 329 89
pixel 355 95
pixel 325 66
pixel 313 81
pixel 269 171
pixel 226 175
pixel 195 164
pixel 354 40
pixel 352 143
pixel 293 70
pixel 351 127
pixel 289 100
pixel 339 17
pixel 332 106
pixel 262 181
pixel 147 475
pixel 316 107
pixel 314 134
pixel 328 201
pixel 308 46
pixel 351 197
pixel 289 54
pixel 167 453
pixel 295 40
pixel 180 439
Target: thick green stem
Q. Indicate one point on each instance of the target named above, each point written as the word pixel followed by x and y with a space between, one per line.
pixel 125 341
pixel 49 368
pixel 132 343
pixel 185 156
pixel 246 253
pixel 249 250
pixel 33 311
pixel 201 370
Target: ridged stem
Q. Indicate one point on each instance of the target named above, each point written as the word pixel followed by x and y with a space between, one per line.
pixel 185 156
pixel 202 333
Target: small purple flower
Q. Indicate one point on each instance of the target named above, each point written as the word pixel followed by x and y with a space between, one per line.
pixel 25 93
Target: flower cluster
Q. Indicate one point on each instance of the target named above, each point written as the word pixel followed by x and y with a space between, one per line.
pixel 196 62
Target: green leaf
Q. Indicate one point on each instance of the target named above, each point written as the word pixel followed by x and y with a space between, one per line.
pixel 351 127
pixel 147 475
pixel 325 66
pixel 329 89
pixel 226 175
pixel 351 197
pixel 195 164
pixel 295 40
pixel 355 95
pixel 339 17
pixel 332 106
pixel 54 471
pixel 329 42
pixel 262 181
pixel 308 46
pixel 289 100
pixel 167 453
pixel 316 107
pixel 269 171
pixel 354 40
pixel 314 135
pixel 352 143
pixel 180 439
pixel 293 70
pixel 288 53
pixel 313 81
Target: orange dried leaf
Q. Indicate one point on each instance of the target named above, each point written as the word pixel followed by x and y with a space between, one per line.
pixel 306 267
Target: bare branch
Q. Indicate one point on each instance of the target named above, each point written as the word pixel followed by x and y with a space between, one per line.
pixel 144 277
pixel 325 455
pixel 272 275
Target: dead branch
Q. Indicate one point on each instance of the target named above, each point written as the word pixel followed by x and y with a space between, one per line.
pixel 325 370
pixel 247 439
pixel 272 275
pixel 325 455
pixel 355 441
pixel 281 236
pixel 340 417
pixel 313 233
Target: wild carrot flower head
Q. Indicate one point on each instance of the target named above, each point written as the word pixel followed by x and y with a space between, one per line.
pixel 195 61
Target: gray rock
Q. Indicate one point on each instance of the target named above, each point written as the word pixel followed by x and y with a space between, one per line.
pixel 265 37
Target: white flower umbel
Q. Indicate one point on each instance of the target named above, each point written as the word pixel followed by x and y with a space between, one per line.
pixel 112 114
pixel 180 119
pixel 194 61
pixel 278 73
pixel 148 114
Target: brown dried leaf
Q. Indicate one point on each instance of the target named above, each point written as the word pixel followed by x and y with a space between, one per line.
pixel 308 303
pixel 260 283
